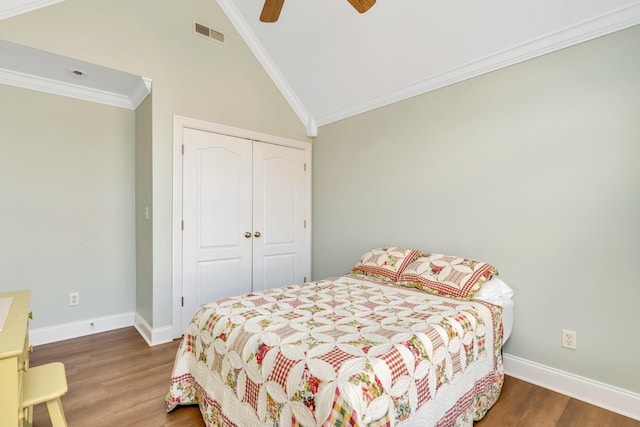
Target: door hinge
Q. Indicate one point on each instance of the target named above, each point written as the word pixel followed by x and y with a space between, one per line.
pixel 183 149
pixel 182 225
pixel 305 167
pixel 305 279
pixel 182 301
pixel 305 223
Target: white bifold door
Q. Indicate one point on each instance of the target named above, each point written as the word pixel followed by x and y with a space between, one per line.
pixel 243 217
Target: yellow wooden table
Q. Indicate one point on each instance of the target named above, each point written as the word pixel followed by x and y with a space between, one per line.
pixel 14 357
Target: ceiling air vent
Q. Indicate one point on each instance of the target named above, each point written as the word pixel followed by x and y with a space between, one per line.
pixel 207 32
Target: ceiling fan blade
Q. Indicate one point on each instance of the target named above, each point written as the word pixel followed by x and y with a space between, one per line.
pixel 271 10
pixel 362 5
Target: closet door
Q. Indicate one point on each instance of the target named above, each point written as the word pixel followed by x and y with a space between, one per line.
pixel 217 215
pixel 278 216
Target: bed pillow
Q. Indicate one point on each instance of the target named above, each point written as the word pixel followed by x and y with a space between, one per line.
pixel 494 291
pixel 385 263
pixel 446 275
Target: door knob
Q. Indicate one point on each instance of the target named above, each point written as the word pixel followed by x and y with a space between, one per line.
pixel 257 234
pixel 247 235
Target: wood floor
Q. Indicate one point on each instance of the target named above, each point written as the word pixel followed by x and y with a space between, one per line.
pixel 116 379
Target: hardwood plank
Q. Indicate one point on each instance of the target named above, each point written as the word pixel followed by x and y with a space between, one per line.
pixel 524 404
pixel 116 379
pixel 578 414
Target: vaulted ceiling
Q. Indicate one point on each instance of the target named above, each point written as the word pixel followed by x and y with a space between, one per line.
pixel 336 62
pixel 330 62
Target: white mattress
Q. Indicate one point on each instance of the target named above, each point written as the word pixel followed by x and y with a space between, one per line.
pixel 507 320
pixel 496 292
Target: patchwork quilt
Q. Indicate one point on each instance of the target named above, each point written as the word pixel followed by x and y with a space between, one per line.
pixel 346 351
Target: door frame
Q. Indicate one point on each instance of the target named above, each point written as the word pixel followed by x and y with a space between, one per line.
pixel 179 124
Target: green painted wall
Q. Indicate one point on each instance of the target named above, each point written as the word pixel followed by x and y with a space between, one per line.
pixel 67 205
pixel 192 77
pixel 533 168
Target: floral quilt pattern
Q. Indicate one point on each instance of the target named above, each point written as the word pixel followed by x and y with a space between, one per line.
pixel 347 351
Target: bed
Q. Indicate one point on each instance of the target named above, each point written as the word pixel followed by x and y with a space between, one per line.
pixel 407 338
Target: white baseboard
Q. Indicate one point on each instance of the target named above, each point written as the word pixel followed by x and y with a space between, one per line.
pixel 612 398
pixel 80 328
pixel 150 335
pixel 96 325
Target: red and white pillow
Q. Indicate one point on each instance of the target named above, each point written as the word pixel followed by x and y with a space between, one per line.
pixel 385 263
pixel 446 275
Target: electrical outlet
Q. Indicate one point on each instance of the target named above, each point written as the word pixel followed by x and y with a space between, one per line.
pixel 569 339
pixel 74 298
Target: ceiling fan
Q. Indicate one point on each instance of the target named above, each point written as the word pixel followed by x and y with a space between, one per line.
pixel 271 9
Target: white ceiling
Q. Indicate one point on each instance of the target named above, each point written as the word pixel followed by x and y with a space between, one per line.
pixel 331 62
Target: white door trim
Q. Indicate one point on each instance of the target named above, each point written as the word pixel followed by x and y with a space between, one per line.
pixel 179 124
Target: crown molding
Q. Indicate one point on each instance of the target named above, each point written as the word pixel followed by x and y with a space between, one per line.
pixel 586 30
pixel 229 8
pixel 56 87
pixel 140 92
pixel 9 8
